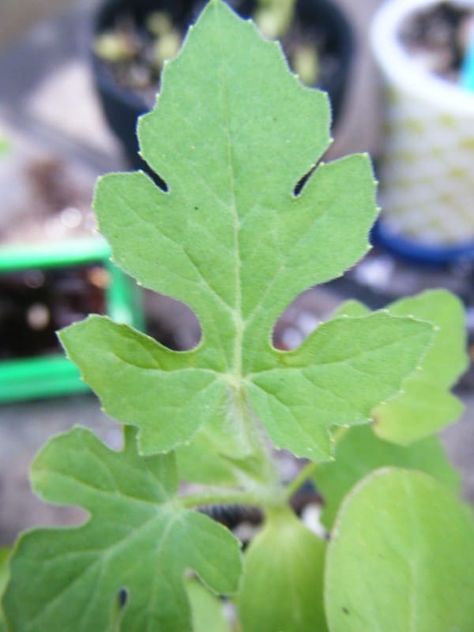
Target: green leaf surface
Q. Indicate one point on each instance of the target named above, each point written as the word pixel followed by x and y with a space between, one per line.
pixel 426 404
pixel 4 572
pixel 281 588
pixel 203 461
pixel 359 451
pixel 335 378
pixel 401 558
pixel 138 539
pixel 232 134
pixel 4 576
pixel 206 608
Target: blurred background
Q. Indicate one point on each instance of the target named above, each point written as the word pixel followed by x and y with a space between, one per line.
pixel 75 74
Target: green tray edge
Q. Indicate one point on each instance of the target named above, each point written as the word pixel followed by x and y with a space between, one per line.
pixel 55 375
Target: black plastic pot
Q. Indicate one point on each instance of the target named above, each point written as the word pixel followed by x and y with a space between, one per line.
pixel 122 106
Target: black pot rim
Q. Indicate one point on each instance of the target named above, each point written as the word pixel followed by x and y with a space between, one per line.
pixel 135 101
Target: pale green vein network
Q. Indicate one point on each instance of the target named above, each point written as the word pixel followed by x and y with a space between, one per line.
pixel 232 133
pixel 138 538
pixel 239 325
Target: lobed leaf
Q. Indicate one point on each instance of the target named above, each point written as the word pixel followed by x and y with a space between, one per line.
pixel 336 378
pixel 359 451
pixel 426 404
pixel 138 540
pixel 232 133
pixel 401 558
pixel 282 581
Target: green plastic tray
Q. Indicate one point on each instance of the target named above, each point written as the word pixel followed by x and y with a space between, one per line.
pixel 49 376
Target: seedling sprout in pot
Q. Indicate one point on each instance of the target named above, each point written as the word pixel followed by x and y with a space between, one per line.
pixel 133 40
pixel 231 135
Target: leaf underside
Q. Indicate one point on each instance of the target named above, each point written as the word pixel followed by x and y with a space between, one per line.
pixel 232 133
pixel 359 451
pixel 138 540
pixel 401 558
pixel 282 579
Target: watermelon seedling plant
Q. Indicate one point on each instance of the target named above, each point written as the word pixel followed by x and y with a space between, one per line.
pixel 359 402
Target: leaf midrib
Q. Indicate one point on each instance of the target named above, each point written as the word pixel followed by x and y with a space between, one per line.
pixel 237 309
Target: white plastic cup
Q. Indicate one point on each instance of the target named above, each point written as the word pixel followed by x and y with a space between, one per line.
pixel 427 170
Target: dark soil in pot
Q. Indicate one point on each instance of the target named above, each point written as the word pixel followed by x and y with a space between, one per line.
pixel 127 75
pixel 245 522
pixel 35 303
pixel 438 37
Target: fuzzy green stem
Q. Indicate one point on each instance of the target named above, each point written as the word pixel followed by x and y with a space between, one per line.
pixel 252 440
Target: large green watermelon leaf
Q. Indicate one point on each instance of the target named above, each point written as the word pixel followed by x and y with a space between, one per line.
pixel 138 539
pixel 401 558
pixel 281 587
pixel 426 404
pixel 359 451
pixel 232 134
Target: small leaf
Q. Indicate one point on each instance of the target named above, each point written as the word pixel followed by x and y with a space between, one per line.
pixel 138 540
pixel 281 587
pixel 232 134
pixel 4 576
pixel 359 451
pixel 401 558
pixel 4 572
pixel 207 609
pixel 425 405
pixel 202 462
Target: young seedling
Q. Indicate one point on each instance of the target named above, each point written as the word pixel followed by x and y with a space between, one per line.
pixel 123 45
pixel 273 17
pixel 232 134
